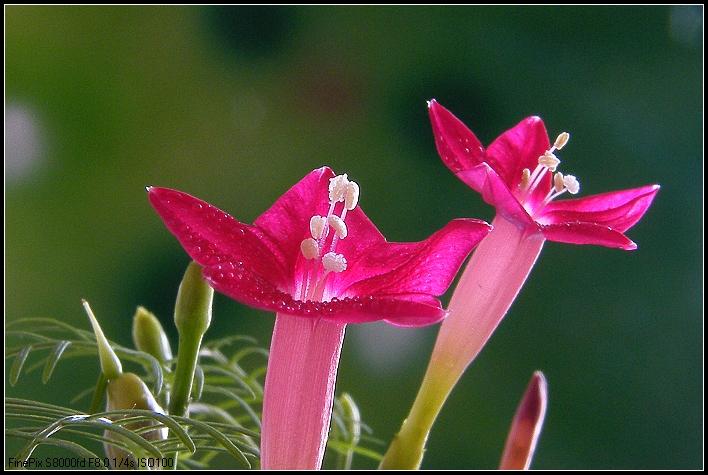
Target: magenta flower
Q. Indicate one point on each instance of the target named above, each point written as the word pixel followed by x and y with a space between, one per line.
pixel 517 174
pixel 316 260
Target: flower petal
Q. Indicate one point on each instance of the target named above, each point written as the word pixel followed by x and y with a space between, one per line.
pixel 526 426
pixel 519 148
pixel 495 192
pixel 210 236
pixel 458 147
pixel 587 233
pixel 618 209
pixel 425 267
pixel 362 235
pixel 287 222
pixel 249 289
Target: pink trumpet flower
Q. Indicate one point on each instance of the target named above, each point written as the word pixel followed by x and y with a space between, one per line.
pixel 526 426
pixel 316 260
pixel 517 174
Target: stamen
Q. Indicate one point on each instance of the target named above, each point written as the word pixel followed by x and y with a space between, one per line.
pixel 333 262
pixel 351 196
pixel 558 184
pixel 318 225
pixel 309 249
pixel 561 140
pixel 338 225
pixel 572 184
pixel 338 188
pixel 539 169
pixel 525 176
pixel 549 160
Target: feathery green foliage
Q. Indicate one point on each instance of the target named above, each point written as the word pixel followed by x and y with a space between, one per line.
pixel 222 426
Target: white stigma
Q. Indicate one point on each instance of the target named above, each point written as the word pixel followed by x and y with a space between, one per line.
pixel 318 225
pixel 338 225
pixel 309 248
pixel 571 184
pixel 333 262
pixel 338 188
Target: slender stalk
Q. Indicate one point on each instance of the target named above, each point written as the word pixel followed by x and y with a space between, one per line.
pixel 299 391
pixel 192 319
pixel 184 374
pixel 492 279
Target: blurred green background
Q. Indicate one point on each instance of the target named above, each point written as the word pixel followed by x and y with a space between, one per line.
pixel 235 104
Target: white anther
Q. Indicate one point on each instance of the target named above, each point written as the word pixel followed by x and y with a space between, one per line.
pixel 572 184
pixel 351 196
pixel 338 188
pixel 318 225
pixel 549 160
pixel 334 262
pixel 338 225
pixel 558 183
pixel 309 248
pixel 561 140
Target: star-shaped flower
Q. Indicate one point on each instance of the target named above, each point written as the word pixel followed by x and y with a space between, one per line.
pixel 314 253
pixel 516 175
pixel 316 260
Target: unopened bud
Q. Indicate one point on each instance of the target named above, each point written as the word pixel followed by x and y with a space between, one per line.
pixel 149 336
pixel 193 306
pixel 110 364
pixel 128 391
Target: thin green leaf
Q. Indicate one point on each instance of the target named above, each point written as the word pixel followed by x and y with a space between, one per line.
pixel 223 440
pixel 168 421
pixel 343 447
pixel 65 444
pixel 53 359
pixel 246 407
pixel 198 383
pixel 98 393
pixel 17 365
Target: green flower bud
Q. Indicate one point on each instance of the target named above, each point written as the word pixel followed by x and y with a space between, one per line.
pixel 128 391
pixel 149 336
pixel 110 364
pixel 193 307
pixel 192 318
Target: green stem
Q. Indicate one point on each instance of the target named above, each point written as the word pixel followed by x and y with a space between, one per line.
pixel 192 319
pixel 184 374
pixel 187 356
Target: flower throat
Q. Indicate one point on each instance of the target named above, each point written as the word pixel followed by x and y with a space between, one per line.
pixel 319 250
pixel 548 162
